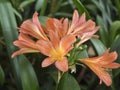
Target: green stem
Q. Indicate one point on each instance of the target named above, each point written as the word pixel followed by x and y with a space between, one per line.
pixel 72 54
pixel 59 77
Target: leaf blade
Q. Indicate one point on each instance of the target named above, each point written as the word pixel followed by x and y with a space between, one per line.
pixel 68 82
pixel 8 24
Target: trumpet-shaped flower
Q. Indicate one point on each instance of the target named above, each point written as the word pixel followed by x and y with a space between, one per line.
pixel 99 65
pixel 26 45
pixel 56 49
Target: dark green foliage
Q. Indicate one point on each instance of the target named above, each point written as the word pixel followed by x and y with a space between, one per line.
pixel 25 72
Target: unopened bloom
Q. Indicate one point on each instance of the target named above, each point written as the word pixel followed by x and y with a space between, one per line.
pixel 99 65
pixel 56 49
pixel 26 45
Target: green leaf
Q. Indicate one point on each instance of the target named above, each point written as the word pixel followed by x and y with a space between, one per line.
pixel 25 3
pixel 17 14
pixel 39 4
pixel 27 74
pixel 114 29
pixel 102 32
pixel 43 8
pixel 23 72
pixel 106 14
pixel 67 82
pixel 99 46
pixel 54 76
pixel 43 20
pixel 81 8
pixel 2 76
pixel 82 54
pixel 117 2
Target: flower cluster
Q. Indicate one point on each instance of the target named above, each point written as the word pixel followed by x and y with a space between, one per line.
pixel 56 39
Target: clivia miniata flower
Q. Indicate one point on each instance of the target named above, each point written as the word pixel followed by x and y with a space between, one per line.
pixel 56 39
pixel 100 64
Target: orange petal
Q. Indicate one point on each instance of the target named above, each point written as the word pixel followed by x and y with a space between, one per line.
pixel 55 25
pixel 50 24
pixel 75 17
pixel 98 70
pixel 67 42
pixel 65 26
pixel 48 61
pixel 87 35
pixel 25 37
pixel 23 50
pixel 82 20
pixel 28 27
pixel 25 42
pixel 86 27
pixel 20 44
pixel 45 47
pixel 103 75
pixel 104 59
pixel 54 39
pixel 112 66
pixel 62 65
pixel 36 21
pixel 108 58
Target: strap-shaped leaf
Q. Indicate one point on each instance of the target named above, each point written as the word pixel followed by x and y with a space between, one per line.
pixel 99 46
pixel 38 4
pixel 103 32
pixel 114 29
pixel 67 82
pixel 22 69
pixel 25 3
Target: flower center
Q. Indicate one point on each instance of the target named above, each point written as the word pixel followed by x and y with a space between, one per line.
pixel 57 54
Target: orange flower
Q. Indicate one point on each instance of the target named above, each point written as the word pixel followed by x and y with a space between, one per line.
pixel 56 49
pixel 26 45
pixel 56 39
pixel 100 64
pixel 33 28
pixel 79 27
pixel 82 28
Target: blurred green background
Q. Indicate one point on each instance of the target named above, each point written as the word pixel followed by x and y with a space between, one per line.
pixel 24 72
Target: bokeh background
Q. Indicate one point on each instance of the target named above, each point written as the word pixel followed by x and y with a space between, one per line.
pixel 24 72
